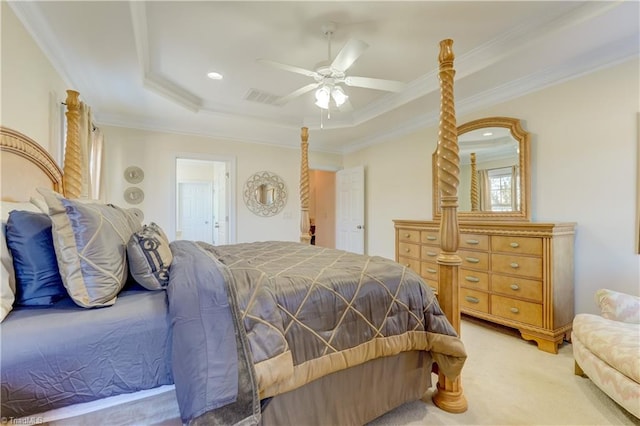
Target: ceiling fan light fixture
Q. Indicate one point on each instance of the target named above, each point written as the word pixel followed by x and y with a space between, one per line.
pixel 339 97
pixel 323 95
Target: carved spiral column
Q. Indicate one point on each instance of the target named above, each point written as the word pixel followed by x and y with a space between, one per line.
pixel 305 225
pixel 72 179
pixel 474 183
pixel 449 396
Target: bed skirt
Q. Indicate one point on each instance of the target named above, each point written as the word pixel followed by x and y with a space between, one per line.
pixel 334 399
pixel 354 396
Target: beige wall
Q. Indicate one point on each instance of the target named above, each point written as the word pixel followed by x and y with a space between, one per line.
pixel 584 170
pixel 156 152
pixel 29 85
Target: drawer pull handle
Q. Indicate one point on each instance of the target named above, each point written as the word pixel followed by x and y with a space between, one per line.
pixel 407 249
pixel 514 265
pixel 432 253
pixel 473 242
pixel 514 287
pixel 472 279
pixel 514 245
pixel 431 238
pixel 407 235
pixel 472 260
pixel 472 299
pixel 515 310
pixel 408 265
pixel 431 270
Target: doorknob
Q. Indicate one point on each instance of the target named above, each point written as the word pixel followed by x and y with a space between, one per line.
pixel 359 227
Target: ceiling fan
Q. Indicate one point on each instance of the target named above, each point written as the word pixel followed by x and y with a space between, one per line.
pixel 330 75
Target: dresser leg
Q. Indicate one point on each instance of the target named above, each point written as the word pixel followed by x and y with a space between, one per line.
pixel 543 344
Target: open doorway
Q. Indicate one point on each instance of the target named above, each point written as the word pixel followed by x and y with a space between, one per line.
pixel 203 201
pixel 322 207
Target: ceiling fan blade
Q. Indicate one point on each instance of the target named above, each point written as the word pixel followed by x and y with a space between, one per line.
pixel 348 55
pixel 301 91
pixel 375 83
pixel 286 67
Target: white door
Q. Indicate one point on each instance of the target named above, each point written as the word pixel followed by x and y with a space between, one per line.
pixel 220 212
pixel 350 210
pixel 195 211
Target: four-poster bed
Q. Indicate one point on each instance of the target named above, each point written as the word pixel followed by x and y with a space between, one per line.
pixel 373 352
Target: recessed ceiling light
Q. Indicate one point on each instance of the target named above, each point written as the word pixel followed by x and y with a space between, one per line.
pixel 487 134
pixel 214 75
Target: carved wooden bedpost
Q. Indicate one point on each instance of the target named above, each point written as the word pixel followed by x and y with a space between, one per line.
pixel 72 179
pixel 305 225
pixel 449 396
pixel 474 183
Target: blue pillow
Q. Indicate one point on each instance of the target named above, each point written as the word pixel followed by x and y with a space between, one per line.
pixel 38 280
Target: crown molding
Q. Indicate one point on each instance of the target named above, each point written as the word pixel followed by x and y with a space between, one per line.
pixel 129 122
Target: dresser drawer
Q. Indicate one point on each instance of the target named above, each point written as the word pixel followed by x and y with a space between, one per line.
pixel 411 235
pixel 473 279
pixel 429 253
pixel 474 241
pixel 517 265
pixel 517 310
pixel 409 250
pixel 433 284
pixel 474 259
pixel 429 270
pixel 517 245
pixel 474 300
pixel 413 264
pixel 430 237
pixel 517 287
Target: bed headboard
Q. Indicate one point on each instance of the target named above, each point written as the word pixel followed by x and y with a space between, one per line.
pixel 25 166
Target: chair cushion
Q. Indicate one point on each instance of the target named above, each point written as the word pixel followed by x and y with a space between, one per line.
pixel 616 343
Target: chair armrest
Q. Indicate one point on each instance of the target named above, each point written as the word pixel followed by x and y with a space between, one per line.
pixel 618 306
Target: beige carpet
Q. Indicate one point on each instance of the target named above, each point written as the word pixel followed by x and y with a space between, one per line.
pixel 508 381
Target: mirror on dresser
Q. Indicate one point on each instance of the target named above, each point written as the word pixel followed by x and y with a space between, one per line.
pixel 494 171
pixel 512 271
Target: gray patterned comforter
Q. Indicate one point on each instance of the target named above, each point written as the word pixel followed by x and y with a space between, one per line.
pixel 296 313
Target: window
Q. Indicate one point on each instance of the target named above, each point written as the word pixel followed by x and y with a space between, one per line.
pixel 501 184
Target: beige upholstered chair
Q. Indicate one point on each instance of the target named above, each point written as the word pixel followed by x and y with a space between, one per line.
pixel 606 347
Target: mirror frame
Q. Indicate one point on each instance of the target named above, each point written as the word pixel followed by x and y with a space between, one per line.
pixel 522 137
pixel 279 199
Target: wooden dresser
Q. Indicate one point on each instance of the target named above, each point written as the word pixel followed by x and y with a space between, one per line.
pixel 519 274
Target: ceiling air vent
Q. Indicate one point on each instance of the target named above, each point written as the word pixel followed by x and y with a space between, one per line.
pixel 255 95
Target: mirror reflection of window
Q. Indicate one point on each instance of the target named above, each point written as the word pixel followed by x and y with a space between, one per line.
pixel 501 184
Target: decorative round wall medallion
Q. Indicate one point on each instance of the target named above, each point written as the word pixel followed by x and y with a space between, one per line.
pixel 133 195
pixel 265 194
pixel 133 174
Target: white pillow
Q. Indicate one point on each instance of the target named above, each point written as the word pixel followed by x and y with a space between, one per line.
pixel 7 283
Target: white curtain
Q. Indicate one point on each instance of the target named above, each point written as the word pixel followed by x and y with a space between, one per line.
pixel 484 190
pixel 91 154
pixel 95 165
